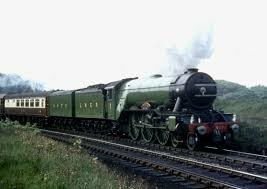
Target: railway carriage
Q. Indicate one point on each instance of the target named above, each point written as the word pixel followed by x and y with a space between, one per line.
pixel 27 107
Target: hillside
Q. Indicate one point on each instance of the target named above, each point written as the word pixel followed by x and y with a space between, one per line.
pixel 230 90
pixel 250 105
pixel 246 102
pixel 12 83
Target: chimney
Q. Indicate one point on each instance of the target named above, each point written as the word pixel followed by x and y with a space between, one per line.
pixel 191 70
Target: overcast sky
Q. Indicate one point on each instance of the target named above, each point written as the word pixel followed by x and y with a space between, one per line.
pixel 72 44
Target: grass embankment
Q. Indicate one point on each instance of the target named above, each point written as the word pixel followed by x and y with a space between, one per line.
pixel 28 160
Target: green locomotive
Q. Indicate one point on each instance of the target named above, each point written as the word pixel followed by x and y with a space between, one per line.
pixel 175 109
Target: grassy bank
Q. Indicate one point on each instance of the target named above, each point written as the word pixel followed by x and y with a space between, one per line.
pixel 28 160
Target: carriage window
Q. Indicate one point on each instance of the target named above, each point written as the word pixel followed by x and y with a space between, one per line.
pixel 27 103
pixel 42 103
pixel 18 102
pixel 96 105
pixel 37 102
pixel 85 105
pixel 109 94
pixel 31 102
pixel 22 103
pixel 91 105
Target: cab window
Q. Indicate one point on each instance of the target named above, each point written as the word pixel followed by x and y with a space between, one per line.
pixel 109 94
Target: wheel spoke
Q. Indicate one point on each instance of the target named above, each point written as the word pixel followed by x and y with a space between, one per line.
pixel 163 136
pixel 134 131
pixel 148 134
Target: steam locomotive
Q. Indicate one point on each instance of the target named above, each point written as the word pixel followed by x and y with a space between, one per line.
pixel 168 110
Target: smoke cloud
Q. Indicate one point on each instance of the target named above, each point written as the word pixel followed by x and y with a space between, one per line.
pixel 12 83
pixel 199 48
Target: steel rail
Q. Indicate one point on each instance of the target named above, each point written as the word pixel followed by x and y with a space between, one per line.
pixel 243 154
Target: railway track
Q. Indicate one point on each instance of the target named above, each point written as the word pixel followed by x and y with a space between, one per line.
pixel 252 163
pixel 183 170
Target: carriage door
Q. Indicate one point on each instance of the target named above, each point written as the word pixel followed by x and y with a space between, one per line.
pixel 110 104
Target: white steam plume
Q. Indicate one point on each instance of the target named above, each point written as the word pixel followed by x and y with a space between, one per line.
pixel 180 59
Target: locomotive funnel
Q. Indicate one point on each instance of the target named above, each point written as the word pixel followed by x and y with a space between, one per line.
pixel 191 70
